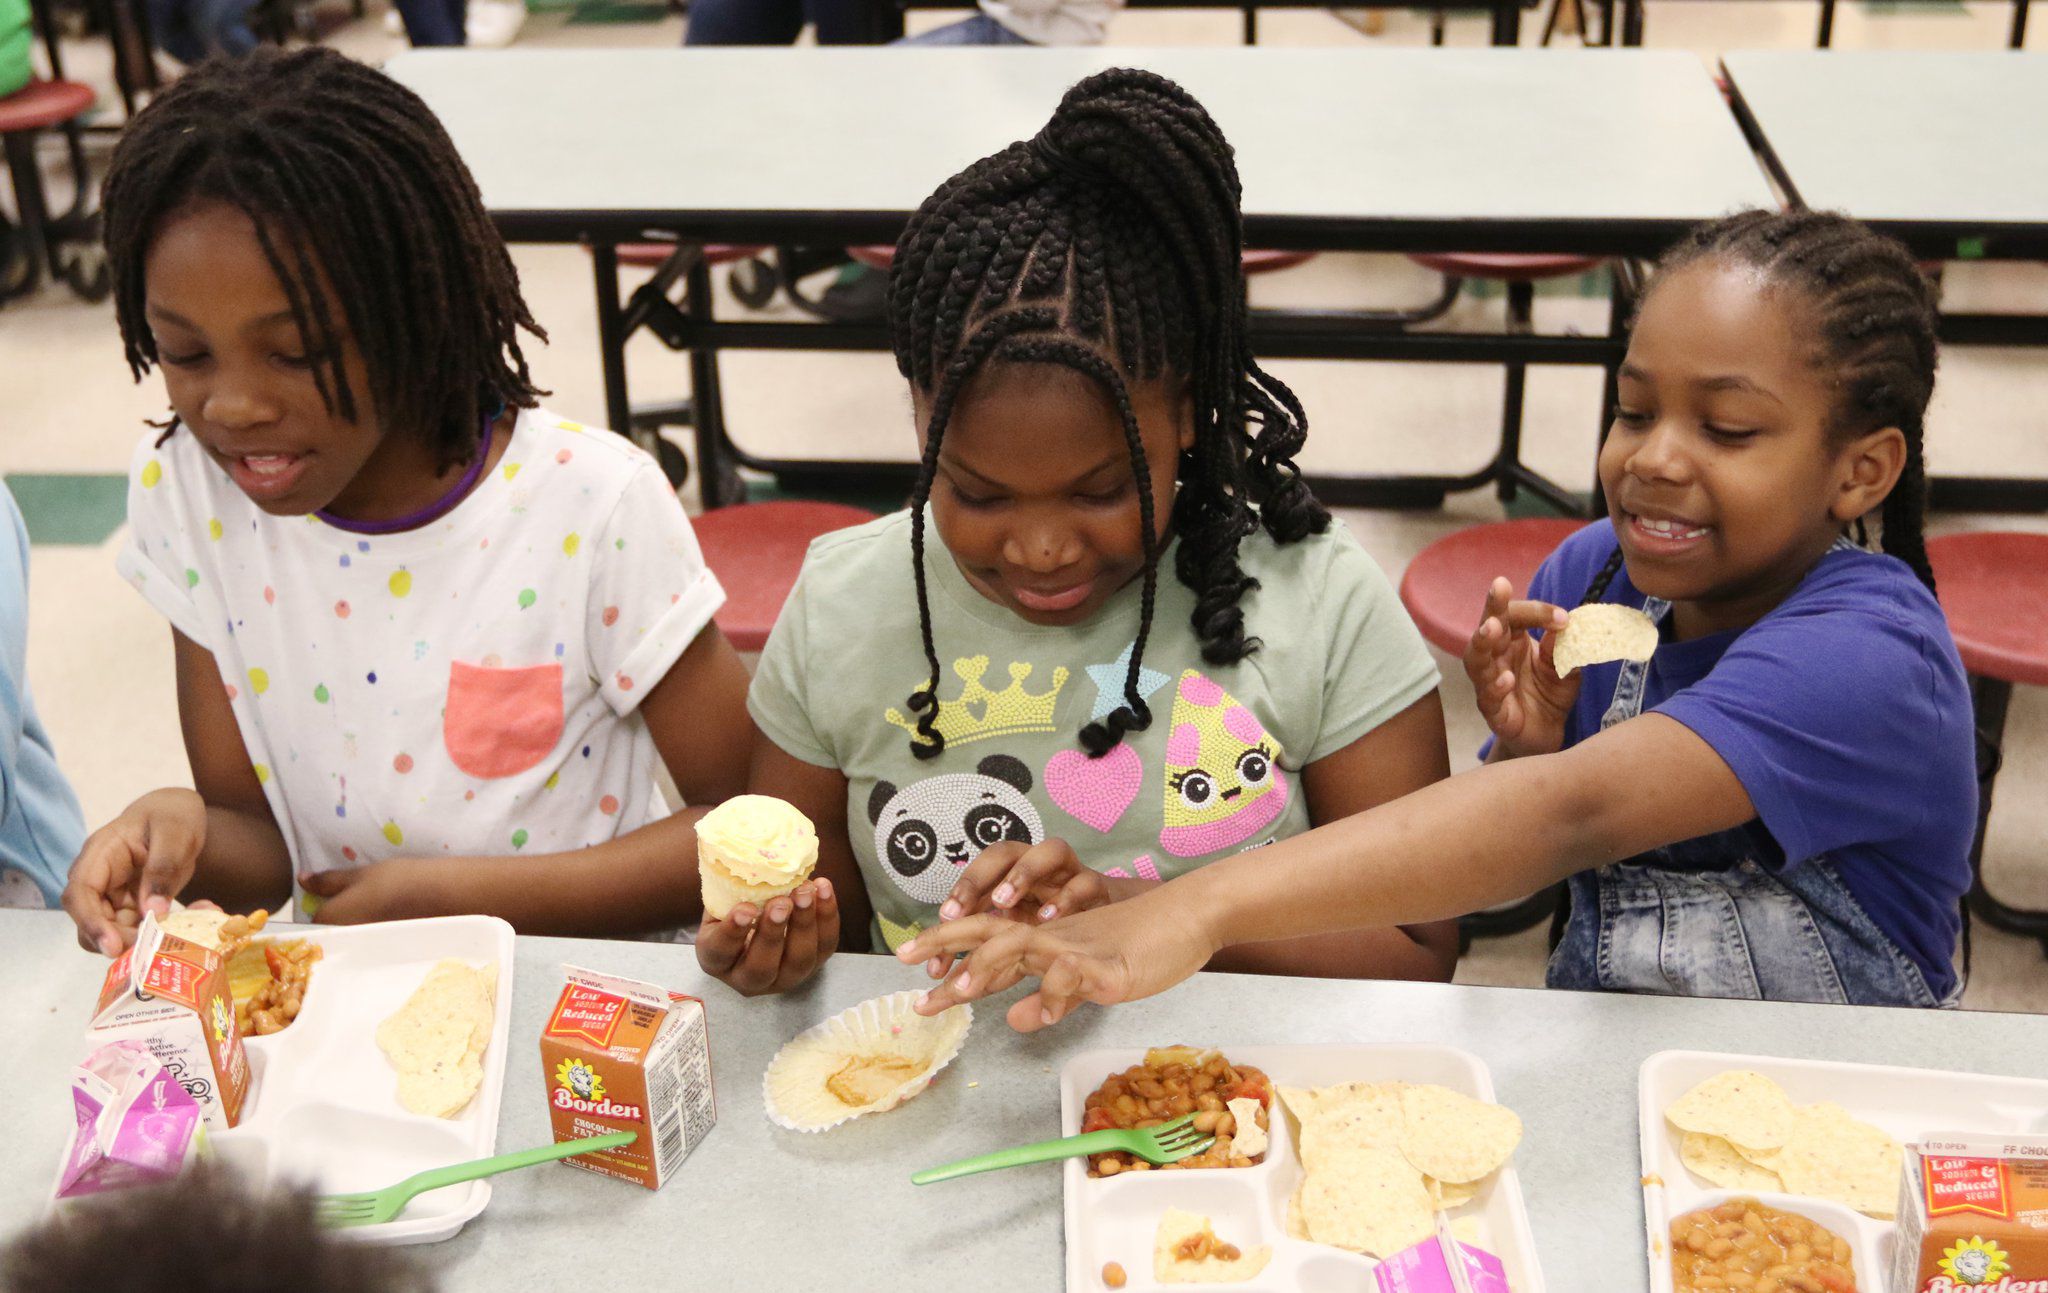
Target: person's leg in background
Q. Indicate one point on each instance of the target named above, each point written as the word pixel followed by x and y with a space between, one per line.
pixel 223 25
pixel 171 23
pixel 978 30
pixel 743 22
pixel 434 22
pixel 854 22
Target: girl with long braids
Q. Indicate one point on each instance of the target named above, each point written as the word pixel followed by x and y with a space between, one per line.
pixel 1143 640
pixel 433 642
pixel 1780 802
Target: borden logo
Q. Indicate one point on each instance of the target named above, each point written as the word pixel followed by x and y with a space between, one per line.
pixel 1974 1263
pixel 580 1087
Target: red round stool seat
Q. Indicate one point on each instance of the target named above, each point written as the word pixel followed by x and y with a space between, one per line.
pixel 1994 587
pixel 1444 587
pixel 1505 267
pixel 42 104
pixel 652 255
pixel 756 549
pixel 880 256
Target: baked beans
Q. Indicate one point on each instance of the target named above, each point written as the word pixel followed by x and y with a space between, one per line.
pixel 1176 1082
pixel 1741 1244
pixel 276 1002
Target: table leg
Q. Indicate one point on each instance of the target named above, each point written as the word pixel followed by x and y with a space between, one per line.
pixel 1827 24
pixel 28 197
pixel 1507 22
pixel 1251 25
pixel 611 338
pixel 1990 698
pixel 1632 23
pixel 718 481
pixel 2019 24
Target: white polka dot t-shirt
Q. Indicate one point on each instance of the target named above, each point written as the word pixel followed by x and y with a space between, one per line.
pixel 469 687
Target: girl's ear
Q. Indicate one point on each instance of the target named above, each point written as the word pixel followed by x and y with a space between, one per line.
pixel 1870 468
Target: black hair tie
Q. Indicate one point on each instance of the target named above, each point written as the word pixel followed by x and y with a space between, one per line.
pixel 1065 162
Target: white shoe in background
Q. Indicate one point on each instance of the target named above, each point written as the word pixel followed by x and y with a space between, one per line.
pixel 494 24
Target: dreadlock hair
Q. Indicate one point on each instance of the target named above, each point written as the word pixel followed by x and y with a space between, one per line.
pixel 345 173
pixel 1111 243
pixel 1875 330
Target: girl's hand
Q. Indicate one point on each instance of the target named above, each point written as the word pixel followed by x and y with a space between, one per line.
pixel 1515 677
pixel 134 864
pixel 394 889
pixel 759 951
pixel 1033 883
pixel 1120 952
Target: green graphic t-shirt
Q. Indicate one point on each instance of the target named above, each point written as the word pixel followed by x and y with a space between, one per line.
pixel 1217 773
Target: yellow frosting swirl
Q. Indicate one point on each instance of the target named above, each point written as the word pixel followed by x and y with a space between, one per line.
pixel 758 839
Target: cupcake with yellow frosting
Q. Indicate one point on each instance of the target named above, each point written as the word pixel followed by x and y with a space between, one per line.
pixel 752 848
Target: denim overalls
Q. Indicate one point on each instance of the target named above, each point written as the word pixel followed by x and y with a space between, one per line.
pixel 1706 918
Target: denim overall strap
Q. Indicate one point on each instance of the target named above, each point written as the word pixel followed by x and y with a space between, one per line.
pixel 1706 918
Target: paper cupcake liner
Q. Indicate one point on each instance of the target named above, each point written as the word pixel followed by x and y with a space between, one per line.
pixel 794 1087
pixel 722 892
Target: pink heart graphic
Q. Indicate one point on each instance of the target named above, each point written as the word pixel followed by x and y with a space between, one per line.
pixel 1094 792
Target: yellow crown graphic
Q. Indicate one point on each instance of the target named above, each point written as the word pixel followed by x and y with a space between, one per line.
pixel 980 713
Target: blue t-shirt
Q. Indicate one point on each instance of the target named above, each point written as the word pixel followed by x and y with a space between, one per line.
pixel 1845 713
pixel 41 828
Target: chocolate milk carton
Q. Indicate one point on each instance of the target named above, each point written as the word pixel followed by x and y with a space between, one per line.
pixel 172 996
pixel 1973 1216
pixel 619 1055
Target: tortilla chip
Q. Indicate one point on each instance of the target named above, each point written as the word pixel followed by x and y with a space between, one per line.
pixel 1296 1222
pixel 1717 1162
pixel 1350 1117
pixel 1742 1107
pixel 1602 631
pixel 1445 1195
pixel 1370 1201
pixel 1453 1137
pixel 437 1039
pixel 1831 1155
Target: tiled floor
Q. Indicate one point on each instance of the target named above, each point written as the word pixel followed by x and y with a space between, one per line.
pixel 100 665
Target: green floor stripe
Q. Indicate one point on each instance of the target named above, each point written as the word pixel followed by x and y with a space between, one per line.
pixel 613 12
pixel 79 510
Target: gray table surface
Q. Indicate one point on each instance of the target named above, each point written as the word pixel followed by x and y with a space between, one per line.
pixel 759 1208
pixel 692 139
pixel 1906 136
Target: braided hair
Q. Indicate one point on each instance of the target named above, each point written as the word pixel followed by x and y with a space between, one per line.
pixel 347 175
pixel 1111 243
pixel 1876 333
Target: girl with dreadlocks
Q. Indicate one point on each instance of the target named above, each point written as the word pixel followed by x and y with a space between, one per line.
pixel 433 643
pixel 1780 802
pixel 1140 632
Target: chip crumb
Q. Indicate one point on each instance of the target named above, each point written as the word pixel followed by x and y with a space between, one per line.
pixel 972 1085
pixel 1650 1179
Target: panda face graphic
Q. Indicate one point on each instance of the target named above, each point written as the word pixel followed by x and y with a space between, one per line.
pixel 927 832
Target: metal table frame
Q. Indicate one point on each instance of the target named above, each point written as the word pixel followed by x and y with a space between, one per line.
pixel 689 323
pixel 1935 239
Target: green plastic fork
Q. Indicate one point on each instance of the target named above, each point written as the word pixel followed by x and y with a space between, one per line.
pixel 374 1207
pixel 1169 1142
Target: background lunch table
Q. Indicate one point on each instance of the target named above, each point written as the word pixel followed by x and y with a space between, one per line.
pixel 1596 152
pixel 1965 175
pixel 757 1207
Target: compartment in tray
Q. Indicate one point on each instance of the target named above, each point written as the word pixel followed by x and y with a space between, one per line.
pixel 1121 1217
pixel 341 1150
pixel 1868 1240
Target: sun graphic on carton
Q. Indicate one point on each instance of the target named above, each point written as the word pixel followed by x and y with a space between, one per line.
pixel 580 1080
pixel 1974 1261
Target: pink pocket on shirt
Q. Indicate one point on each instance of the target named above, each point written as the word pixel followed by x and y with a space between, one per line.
pixel 500 722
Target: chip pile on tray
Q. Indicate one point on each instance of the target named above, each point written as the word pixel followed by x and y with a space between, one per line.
pixel 1739 1130
pixel 1380 1159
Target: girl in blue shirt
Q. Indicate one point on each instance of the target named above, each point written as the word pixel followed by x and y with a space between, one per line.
pixel 1780 803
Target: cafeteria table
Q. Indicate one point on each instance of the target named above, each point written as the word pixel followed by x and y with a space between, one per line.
pixel 1964 176
pixel 1595 152
pixel 755 1207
